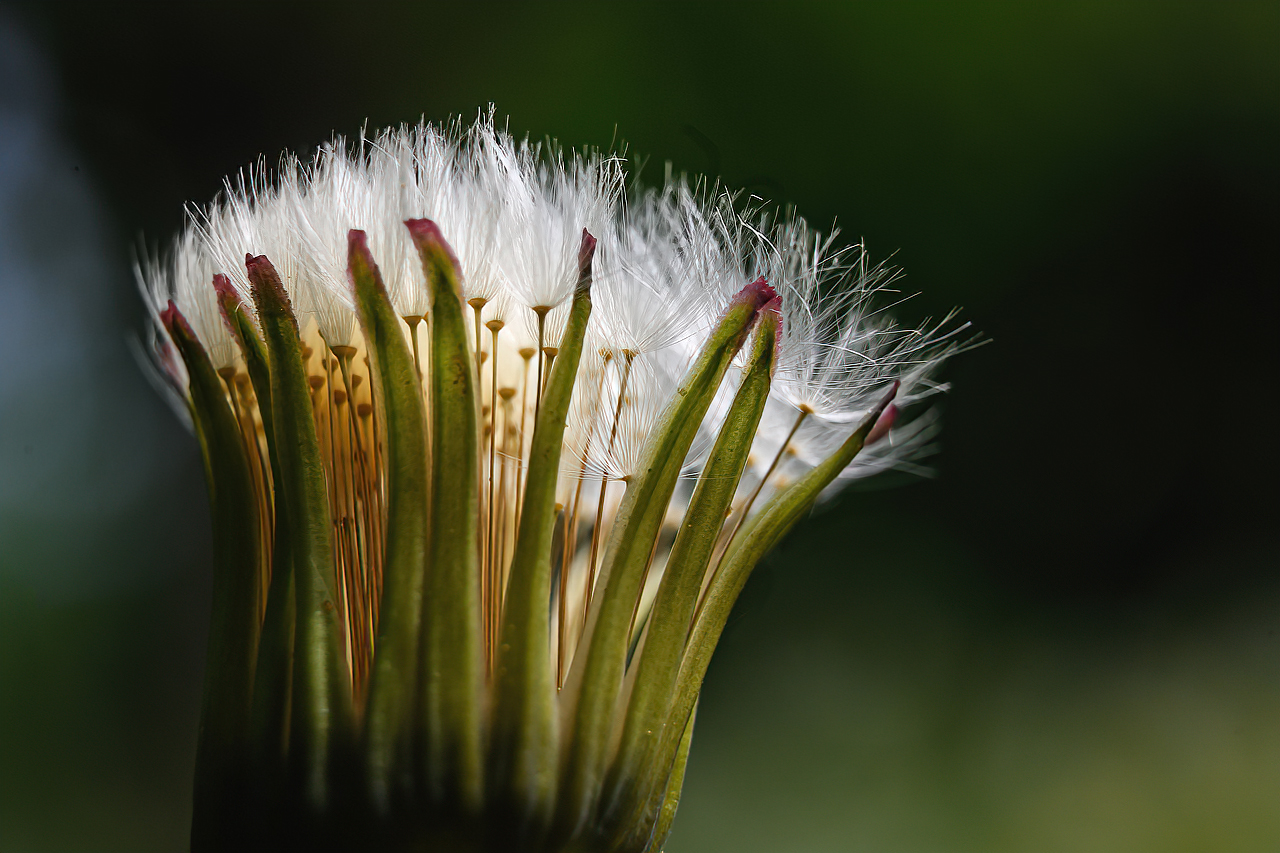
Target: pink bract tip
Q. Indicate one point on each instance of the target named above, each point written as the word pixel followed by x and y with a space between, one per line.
pixel 256 263
pixel 173 321
pixel 888 398
pixel 585 252
pixel 358 247
pixel 426 233
pixel 883 424
pixel 264 279
pixel 774 307
pixel 229 301
pixel 424 229
pixel 588 249
pixel 757 293
pixel 223 286
pixel 357 240
pixel 871 423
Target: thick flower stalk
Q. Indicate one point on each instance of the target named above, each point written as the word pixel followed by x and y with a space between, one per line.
pixel 492 447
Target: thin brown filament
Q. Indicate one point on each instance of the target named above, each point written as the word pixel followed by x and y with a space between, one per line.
pixel 249 435
pixel 257 438
pixel 500 543
pixel 477 305
pixel 551 353
pixel 342 529
pixel 354 542
pixel 495 326
pixel 746 507
pixel 344 364
pixel 334 483
pixel 526 354
pixel 542 332
pixel 628 358
pixel 427 403
pixel 561 606
pixel 379 508
pixel 571 528
pixel 589 586
pixel 328 369
pixel 346 456
pixel 644 581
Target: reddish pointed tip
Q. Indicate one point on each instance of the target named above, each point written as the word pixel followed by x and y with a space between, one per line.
pixel 774 307
pixel 265 283
pixel 222 285
pixel 424 229
pixel 427 234
pixel 360 263
pixel 174 322
pixel 260 268
pixel 357 240
pixel 229 302
pixel 758 293
pixel 871 424
pixel 586 252
pixel 256 263
pixel 883 424
pixel 888 398
pixel 169 315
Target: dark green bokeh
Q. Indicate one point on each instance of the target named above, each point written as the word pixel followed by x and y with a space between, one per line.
pixel 1066 641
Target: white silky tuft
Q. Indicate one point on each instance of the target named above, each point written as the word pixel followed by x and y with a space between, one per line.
pixel 667 262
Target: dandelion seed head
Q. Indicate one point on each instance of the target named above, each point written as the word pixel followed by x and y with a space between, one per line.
pixel 618 314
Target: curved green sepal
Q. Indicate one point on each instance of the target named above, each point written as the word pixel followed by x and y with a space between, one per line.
pixel 634 771
pixel 666 811
pixel 389 717
pixel 320 726
pixel 452 664
pixel 755 539
pixel 274 670
pixel 627 553
pixel 236 315
pixel 233 630
pixel 525 726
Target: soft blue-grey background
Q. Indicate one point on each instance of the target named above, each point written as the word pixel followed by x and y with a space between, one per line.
pixel 1067 641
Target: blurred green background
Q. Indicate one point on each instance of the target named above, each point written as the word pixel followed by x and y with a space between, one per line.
pixel 1066 641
